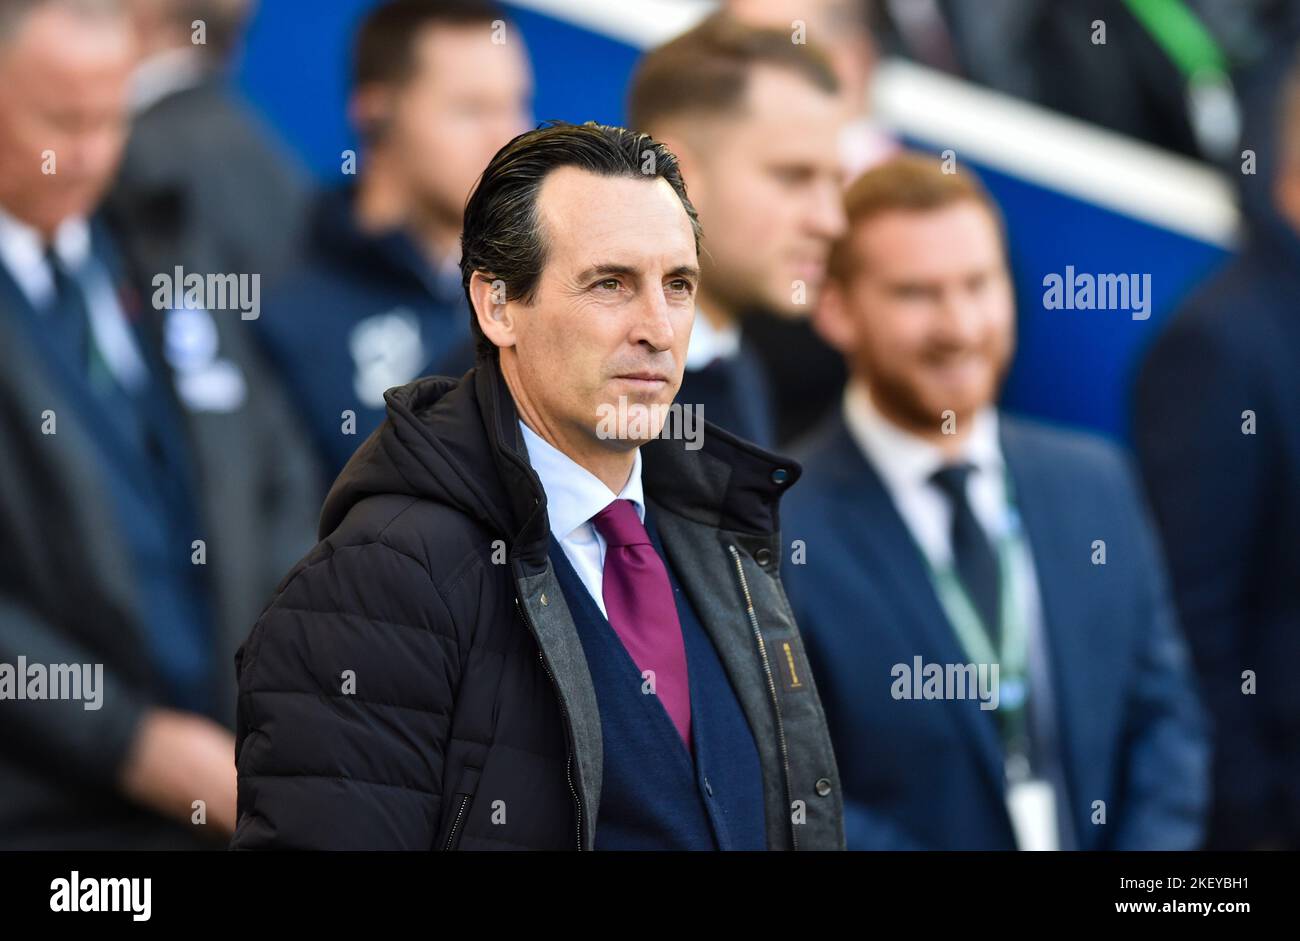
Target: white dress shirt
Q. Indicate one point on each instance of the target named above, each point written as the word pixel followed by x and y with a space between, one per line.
pixel 573 496
pixel 22 252
pixel 905 463
pixel 709 342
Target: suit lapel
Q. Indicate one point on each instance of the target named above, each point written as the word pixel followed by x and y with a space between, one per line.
pixel 874 531
pixel 1073 668
pixel 104 425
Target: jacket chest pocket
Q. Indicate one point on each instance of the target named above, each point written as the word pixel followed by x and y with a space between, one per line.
pixel 457 809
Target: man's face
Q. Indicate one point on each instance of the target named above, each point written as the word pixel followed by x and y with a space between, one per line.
pixel 767 188
pixel 63 113
pixel 468 98
pixel 927 315
pixel 614 305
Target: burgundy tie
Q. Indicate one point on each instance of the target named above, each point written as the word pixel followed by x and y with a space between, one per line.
pixel 640 605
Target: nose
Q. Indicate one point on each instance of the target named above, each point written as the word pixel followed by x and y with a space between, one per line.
pixel 654 325
pixel 962 317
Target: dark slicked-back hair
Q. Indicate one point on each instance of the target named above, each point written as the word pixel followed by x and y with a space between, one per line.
pixel 705 71
pixel 502 237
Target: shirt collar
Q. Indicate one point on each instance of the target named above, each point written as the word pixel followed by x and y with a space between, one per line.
pixel 22 252
pixel 907 460
pixel 709 342
pixel 574 494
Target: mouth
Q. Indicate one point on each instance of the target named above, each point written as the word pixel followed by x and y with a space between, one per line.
pixel 958 370
pixel 646 380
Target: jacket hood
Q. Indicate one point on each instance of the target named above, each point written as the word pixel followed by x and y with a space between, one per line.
pixel 435 444
pixel 457 442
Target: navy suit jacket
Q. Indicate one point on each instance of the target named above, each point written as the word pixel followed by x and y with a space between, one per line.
pixel 929 774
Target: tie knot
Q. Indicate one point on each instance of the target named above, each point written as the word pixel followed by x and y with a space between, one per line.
pixel 951 479
pixel 620 525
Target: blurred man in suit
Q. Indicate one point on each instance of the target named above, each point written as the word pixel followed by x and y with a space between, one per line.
pixel 141 534
pixel 1219 444
pixel 754 118
pixel 438 86
pixel 983 599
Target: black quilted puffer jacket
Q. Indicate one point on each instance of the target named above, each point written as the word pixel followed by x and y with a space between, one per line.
pixel 418 683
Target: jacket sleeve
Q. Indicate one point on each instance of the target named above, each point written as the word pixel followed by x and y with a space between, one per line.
pixel 86 739
pixel 345 701
pixel 1166 787
pixel 1206 483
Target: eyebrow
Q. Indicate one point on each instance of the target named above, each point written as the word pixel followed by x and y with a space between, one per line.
pixel 596 271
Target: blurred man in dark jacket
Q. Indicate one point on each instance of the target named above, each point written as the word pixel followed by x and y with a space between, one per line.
pixel 202 184
pixel 534 621
pixel 1216 432
pixel 438 87
pixel 755 119
pixel 143 531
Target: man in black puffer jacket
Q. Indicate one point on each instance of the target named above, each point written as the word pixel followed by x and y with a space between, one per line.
pixel 444 670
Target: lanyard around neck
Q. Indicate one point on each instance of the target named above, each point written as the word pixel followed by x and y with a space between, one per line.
pixel 1013 653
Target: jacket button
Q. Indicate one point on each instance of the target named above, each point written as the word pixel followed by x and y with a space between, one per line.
pixel 823 786
pixel 780 475
pixel 708 788
pixel 763 557
pixel 545 601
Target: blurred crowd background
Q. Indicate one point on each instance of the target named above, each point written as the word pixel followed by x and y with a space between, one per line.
pixel 328 148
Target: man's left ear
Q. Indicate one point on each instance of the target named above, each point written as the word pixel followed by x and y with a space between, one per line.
pixel 687 164
pixel 492 309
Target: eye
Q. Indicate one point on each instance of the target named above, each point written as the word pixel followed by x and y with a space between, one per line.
pixel 608 284
pixel 681 285
pixel 792 175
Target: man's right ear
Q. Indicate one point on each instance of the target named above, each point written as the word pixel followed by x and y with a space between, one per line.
pixel 370 109
pixel 492 309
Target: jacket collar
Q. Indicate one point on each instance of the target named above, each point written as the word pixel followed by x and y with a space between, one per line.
pixel 727 483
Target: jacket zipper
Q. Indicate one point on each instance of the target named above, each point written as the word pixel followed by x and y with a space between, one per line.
pixel 771 683
pixel 568 741
pixel 455 824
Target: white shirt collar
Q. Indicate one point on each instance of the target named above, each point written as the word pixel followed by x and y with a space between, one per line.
pixel 574 494
pixel 709 342
pixel 22 252
pixel 904 459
